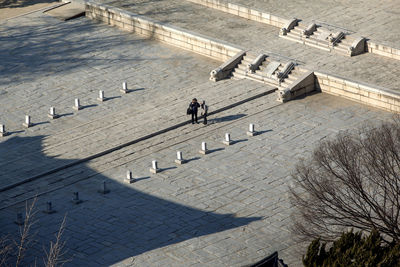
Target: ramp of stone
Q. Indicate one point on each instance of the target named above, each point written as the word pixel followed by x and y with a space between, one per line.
pixel 67 11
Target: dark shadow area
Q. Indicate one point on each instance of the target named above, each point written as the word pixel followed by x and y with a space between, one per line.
pixel 105 228
pixel 193 159
pixel 226 118
pixel 166 169
pixel 111 98
pixel 66 114
pixel 39 123
pixel 141 178
pixel 239 141
pixel 215 150
pixel 22 3
pixel 89 106
pixel 15 132
pixel 262 132
pixel 28 52
pixel 134 90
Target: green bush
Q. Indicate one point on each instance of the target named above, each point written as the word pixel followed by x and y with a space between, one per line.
pixel 353 249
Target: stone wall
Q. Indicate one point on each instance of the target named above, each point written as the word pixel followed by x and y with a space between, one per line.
pixel 243 12
pixel 363 93
pixel 383 50
pixel 175 36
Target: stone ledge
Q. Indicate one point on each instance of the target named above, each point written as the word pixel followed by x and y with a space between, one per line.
pixel 371 95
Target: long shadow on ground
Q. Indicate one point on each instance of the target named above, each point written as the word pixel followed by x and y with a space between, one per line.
pixel 108 228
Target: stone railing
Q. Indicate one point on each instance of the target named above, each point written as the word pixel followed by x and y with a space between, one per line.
pixel 244 12
pixel 383 50
pixel 171 35
pixel 367 94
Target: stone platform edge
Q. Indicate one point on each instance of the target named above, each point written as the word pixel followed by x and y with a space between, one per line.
pixel 371 95
pixel 266 18
pixel 216 49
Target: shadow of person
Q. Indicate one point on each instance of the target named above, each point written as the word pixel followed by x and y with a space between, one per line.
pixel 105 228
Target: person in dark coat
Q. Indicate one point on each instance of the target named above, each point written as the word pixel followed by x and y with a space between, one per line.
pixel 194 106
pixel 204 111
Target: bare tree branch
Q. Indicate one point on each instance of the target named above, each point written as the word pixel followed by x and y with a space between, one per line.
pixel 352 181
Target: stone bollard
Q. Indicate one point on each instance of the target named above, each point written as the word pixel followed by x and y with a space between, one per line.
pixel 19 220
pixel 129 179
pixel 251 131
pixel 3 131
pixel 227 140
pixel 103 189
pixel 101 97
pixel 179 160
pixel 204 149
pixel 154 167
pixel 27 122
pixel 49 208
pixel 77 105
pixel 124 88
pixel 76 199
pixel 52 113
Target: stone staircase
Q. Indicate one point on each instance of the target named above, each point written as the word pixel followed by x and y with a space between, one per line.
pixel 268 70
pixel 322 38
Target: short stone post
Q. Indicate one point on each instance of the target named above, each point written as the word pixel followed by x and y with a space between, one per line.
pixel 52 113
pixel 179 160
pixel 204 149
pixel 251 131
pixel 76 199
pixel 124 88
pixel 77 105
pixel 49 208
pixel 227 140
pixel 154 167
pixel 20 219
pixel 3 131
pixel 103 189
pixel 27 122
pixel 129 179
pixel 101 96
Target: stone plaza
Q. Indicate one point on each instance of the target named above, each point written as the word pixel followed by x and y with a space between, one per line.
pixel 228 207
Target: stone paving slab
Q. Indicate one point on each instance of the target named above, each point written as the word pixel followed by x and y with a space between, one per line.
pixel 258 37
pixel 180 216
pixel 372 19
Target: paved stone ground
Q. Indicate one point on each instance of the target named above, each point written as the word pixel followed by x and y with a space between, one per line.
pixel 227 208
pixel 376 20
pixel 181 215
pixel 369 68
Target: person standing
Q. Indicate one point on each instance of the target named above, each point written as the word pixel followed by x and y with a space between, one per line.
pixel 204 111
pixel 194 106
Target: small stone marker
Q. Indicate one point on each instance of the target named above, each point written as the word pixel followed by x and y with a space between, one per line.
pixel 204 149
pixel 124 88
pixel 227 140
pixel 3 131
pixel 129 179
pixel 52 113
pixel 77 105
pixel 19 220
pixel 49 208
pixel 76 199
pixel 154 167
pixel 103 189
pixel 101 97
pixel 179 160
pixel 27 122
pixel 251 131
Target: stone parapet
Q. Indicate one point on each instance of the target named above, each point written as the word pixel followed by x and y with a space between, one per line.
pixel 171 35
pixel 244 12
pixel 383 50
pixel 371 95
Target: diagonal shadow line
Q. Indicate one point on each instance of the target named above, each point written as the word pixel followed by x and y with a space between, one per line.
pixel 116 148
